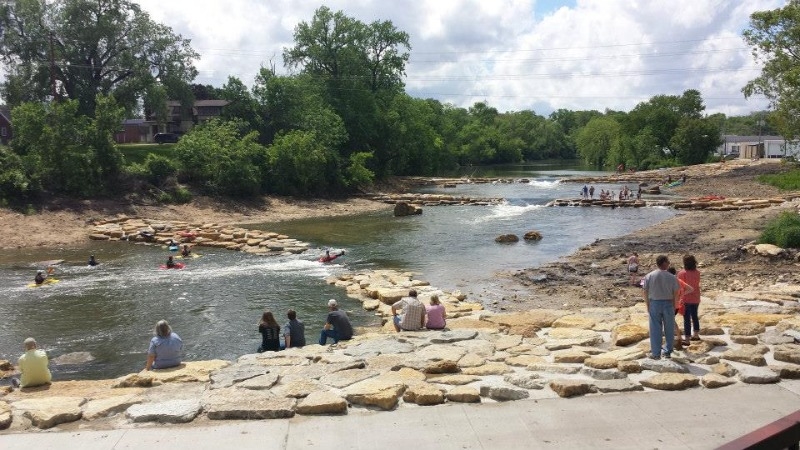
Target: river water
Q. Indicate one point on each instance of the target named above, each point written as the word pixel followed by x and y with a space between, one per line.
pixel 215 303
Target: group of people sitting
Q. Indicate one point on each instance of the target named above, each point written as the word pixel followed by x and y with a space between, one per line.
pixel 409 314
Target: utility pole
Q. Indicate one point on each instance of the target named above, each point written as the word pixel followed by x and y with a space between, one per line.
pixel 53 90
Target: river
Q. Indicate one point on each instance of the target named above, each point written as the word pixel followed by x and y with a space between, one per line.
pixel 215 304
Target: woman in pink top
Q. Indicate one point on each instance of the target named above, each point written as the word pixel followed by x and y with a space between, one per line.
pixel 691 299
pixel 436 314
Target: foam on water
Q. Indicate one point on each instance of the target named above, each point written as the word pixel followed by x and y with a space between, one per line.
pixel 506 211
pixel 544 184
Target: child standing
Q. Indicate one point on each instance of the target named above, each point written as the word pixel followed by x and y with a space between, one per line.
pixel 691 299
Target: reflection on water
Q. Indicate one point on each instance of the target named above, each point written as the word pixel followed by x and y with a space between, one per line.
pixel 215 303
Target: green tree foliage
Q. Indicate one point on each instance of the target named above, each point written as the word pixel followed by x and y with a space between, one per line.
pixel 301 165
pixel 775 37
pixel 599 140
pixel 15 182
pixel 695 140
pixel 97 47
pixel 159 168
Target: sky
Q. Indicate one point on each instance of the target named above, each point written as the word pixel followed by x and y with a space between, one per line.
pixel 538 55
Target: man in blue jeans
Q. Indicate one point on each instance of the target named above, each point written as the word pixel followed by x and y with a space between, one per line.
pixel 661 295
pixel 337 325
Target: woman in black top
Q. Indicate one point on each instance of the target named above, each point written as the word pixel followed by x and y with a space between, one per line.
pixel 270 333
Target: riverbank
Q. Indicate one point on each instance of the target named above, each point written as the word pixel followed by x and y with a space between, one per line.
pixel 63 223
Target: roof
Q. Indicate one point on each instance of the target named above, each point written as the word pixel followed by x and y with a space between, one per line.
pixel 735 138
pixel 200 103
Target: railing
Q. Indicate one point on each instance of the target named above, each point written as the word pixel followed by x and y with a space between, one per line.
pixel 784 433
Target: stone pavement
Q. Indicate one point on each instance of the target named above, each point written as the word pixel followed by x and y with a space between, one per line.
pixel 693 419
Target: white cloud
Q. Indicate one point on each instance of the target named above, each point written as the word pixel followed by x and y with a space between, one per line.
pixel 515 54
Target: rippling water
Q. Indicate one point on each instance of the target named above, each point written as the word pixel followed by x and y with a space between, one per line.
pixel 215 303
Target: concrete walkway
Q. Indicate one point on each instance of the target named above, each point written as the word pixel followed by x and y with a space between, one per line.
pixel 692 419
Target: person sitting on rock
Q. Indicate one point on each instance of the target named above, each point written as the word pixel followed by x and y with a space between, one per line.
pixel 186 251
pixel 33 366
pixel 337 325
pixel 270 333
pixel 165 348
pixel 170 262
pixel 92 262
pixel 40 277
pixel 436 314
pixel 413 317
pixel 294 332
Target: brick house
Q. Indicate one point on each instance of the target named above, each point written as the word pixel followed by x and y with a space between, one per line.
pixel 181 120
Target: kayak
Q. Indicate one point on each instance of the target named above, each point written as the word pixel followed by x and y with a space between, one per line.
pixel 173 248
pixel 176 266
pixel 329 258
pixel 44 283
pixel 191 256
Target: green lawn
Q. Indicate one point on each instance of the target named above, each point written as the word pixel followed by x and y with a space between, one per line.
pixel 136 153
pixel 788 181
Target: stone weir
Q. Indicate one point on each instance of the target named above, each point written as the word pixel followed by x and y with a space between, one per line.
pixel 747 337
pixel 150 231
pixel 433 199
pixel 703 203
pixel 453 182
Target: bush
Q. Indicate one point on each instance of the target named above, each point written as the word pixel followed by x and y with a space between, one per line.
pixel 159 168
pixel 181 195
pixel 783 231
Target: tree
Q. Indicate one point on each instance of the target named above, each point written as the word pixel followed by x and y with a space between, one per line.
pixel 775 39
pixel 598 140
pixel 694 140
pixel 96 47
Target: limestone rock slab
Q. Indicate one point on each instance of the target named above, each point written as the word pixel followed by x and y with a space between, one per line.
pixel 629 366
pixel 787 353
pixel 758 375
pixel 48 412
pixel 503 393
pixel 322 402
pixel 662 366
pixel 454 380
pixel 624 354
pixel 748 354
pixel 464 394
pixel 524 380
pixel 603 374
pixel 423 394
pixel 234 403
pixel 471 360
pixel 562 369
pixel 5 415
pixel 377 347
pixel 571 388
pixel 600 362
pixel 788 371
pixel 440 352
pixel 228 376
pixel 524 360
pixel 487 369
pixel 747 329
pixel 617 385
pixel 171 411
pixel 377 392
pixel 628 333
pixel 187 372
pixel 724 369
pixel 260 383
pixel 713 380
pixel 574 321
pixel 297 388
pixel 444 366
pixel 570 356
pixel 671 381
pixel 104 407
pixel 345 378
pixel 449 337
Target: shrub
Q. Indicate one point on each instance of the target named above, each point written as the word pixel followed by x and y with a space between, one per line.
pixel 788 181
pixel 159 168
pixel 181 195
pixel 783 231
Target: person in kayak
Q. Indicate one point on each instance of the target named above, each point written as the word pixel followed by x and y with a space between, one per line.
pixel 170 262
pixel 186 251
pixel 92 262
pixel 40 277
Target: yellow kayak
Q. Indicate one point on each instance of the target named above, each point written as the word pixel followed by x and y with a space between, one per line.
pixel 44 283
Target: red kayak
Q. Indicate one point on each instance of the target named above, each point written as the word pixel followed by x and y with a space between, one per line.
pixel 176 266
pixel 330 257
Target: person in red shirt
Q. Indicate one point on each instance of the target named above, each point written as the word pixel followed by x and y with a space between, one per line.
pixel 690 299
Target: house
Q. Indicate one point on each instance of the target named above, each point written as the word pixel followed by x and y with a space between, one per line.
pixel 749 147
pixel 133 131
pixel 181 119
pixel 5 125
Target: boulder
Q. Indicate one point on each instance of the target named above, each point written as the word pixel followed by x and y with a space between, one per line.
pixel 5 415
pixel 322 402
pixel 104 407
pixel 171 411
pixel 628 333
pixel 423 394
pixel 507 239
pixel 671 381
pixel 48 412
pixel 464 394
pixel 724 369
pixel 758 375
pixel 532 236
pixel 714 380
pixel 571 388
pixel 629 366
pixel 233 403
pixel 402 209
pixel 617 385
pixel 787 353
pixel 748 354
pixel 524 380
pixel 503 393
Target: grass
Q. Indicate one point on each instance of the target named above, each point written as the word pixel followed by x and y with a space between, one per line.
pixel 783 231
pixel 787 181
pixel 136 153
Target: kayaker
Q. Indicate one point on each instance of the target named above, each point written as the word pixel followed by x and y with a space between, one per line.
pixel 40 277
pixel 92 262
pixel 170 262
pixel 186 251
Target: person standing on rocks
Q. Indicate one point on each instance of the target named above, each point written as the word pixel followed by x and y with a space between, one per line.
pixel 294 332
pixel 413 317
pixel 591 192
pixel 633 268
pixel 661 296
pixel 337 325
pixel 165 348
pixel 33 366
pixel 691 300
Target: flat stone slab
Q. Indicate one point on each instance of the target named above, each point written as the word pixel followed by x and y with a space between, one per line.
pixel 454 380
pixel 377 392
pixel 322 402
pixel 464 394
pixel 448 337
pixel 5 415
pixel 671 381
pixel 260 383
pixel 105 407
pixel 747 354
pixel 487 369
pixel 503 393
pixel 235 373
pixel 571 388
pixel 297 388
pixel 440 352
pixel 172 411
pixel 713 380
pixel 423 394
pixel 48 412
pixel 617 385
pixel 233 403
pixel 378 347
pixel 524 380
pixel 603 374
pixel 758 375
pixel 555 368
pixel 345 378
pixel 662 366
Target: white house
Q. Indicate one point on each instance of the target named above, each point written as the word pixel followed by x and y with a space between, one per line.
pixel 758 147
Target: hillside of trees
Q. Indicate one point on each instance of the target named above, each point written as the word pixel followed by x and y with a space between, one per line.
pixel 342 119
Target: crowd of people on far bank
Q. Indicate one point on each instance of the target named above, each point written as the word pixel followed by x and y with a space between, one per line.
pixel 625 193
